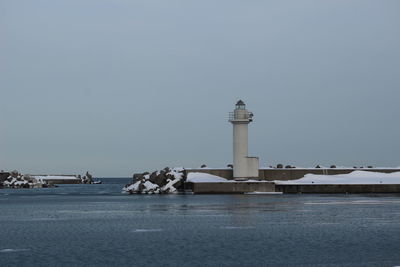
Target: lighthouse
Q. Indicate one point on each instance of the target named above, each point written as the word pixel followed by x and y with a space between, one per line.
pixel 244 167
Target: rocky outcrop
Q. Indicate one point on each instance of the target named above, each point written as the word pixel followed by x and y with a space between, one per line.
pixel 87 178
pixel 159 182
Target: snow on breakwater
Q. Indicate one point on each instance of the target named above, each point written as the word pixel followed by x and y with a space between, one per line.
pixel 355 177
pixel 54 177
pixel 201 177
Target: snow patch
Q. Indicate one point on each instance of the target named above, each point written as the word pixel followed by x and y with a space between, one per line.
pixel 199 177
pixel 355 177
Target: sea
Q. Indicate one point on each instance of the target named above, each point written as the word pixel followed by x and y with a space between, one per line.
pixel 96 225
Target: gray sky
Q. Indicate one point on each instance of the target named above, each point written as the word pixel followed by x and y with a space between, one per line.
pixel 119 86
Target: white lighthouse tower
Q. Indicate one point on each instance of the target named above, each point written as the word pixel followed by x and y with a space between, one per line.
pixel 244 167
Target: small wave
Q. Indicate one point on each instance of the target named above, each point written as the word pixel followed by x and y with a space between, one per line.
pixel 237 227
pixel 10 250
pixel 146 230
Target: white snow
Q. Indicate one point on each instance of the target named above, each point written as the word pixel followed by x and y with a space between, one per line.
pixel 149 185
pixel 169 187
pixel 355 177
pixel 200 177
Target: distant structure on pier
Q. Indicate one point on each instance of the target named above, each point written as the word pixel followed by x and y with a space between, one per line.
pixel 244 167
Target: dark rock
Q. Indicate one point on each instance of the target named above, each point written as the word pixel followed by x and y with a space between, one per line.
pixel 179 185
pixel 153 177
pixel 229 166
pixel 137 177
pixel 318 167
pixel 288 167
pixel 170 176
pixel 333 166
pixel 160 179
pixel 203 166
pixel 141 187
pixel 279 166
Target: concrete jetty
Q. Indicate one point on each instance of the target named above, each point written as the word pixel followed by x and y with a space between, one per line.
pixel 59 178
pixel 270 174
pixel 264 182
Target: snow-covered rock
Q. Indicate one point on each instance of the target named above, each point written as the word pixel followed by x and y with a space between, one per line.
pixel 159 182
pixel 17 180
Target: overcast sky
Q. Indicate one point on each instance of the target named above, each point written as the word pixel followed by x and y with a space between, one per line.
pixel 121 86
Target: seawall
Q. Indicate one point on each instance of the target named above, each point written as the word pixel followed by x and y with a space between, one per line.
pixel 266 176
pixel 338 189
pixel 289 174
pixel 230 188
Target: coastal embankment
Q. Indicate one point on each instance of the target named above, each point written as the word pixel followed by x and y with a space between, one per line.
pixel 295 181
pixel 220 181
pixel 272 174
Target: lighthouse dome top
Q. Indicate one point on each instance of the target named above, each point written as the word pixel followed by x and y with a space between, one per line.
pixel 240 105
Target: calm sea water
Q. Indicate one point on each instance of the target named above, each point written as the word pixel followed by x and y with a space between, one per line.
pixel 95 225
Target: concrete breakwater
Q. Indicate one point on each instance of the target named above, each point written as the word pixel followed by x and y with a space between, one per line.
pixel 284 174
pixel 60 179
pixel 266 176
pixel 269 187
pixel 220 181
pixel 338 189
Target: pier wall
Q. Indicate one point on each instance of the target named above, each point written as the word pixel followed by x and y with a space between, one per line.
pixel 338 188
pixel 63 181
pixel 287 174
pixel 230 188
